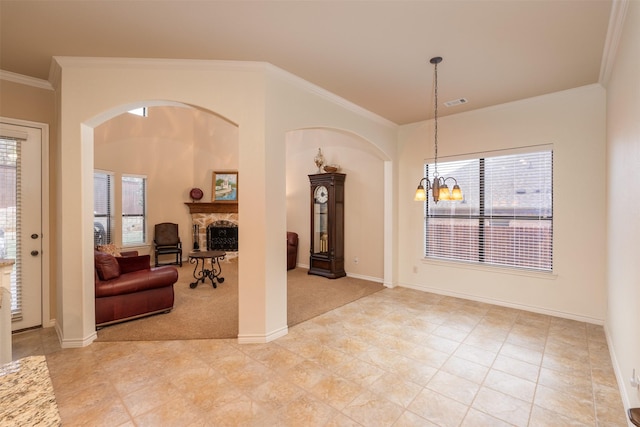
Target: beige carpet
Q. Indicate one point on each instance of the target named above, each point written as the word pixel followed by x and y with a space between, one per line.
pixel 205 312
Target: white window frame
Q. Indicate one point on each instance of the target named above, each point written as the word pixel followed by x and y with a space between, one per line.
pixel 126 241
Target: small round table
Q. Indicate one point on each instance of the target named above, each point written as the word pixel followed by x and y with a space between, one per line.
pixel 200 260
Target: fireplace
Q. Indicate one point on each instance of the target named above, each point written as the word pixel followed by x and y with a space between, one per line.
pixel 222 235
pixel 203 215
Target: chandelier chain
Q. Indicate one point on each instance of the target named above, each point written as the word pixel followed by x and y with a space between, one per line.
pixel 438 187
pixel 435 118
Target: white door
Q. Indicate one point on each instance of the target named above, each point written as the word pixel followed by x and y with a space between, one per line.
pixel 21 219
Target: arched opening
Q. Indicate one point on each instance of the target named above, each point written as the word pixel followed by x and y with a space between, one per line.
pixel 176 147
pixel 366 195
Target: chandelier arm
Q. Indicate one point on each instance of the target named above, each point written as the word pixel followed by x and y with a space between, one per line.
pixel 427 182
pixel 450 177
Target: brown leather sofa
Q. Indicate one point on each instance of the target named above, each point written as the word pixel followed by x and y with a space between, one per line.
pixel 292 250
pixel 126 287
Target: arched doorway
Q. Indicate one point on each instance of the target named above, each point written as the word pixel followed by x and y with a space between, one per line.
pixel 365 195
pixel 174 147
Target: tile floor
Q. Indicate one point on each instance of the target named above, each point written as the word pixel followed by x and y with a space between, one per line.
pixel 399 357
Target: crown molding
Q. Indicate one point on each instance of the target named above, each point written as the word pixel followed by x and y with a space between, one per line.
pixel 193 64
pixel 25 80
pixel 614 33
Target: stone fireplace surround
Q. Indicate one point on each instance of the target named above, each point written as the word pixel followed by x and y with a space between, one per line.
pixel 204 214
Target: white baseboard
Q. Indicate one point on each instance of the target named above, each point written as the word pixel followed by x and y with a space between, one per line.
pixel 75 343
pixel 501 303
pixel 363 277
pixel 619 375
pixel 355 276
pixel 262 339
pixel 50 324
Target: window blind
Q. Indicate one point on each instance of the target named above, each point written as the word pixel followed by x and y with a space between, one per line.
pixel 10 210
pixel 102 207
pixel 506 217
pixel 134 193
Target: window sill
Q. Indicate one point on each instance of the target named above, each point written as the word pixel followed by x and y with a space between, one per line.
pixel 490 268
pixel 133 246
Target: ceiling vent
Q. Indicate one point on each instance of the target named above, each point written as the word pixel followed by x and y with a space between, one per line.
pixel 456 102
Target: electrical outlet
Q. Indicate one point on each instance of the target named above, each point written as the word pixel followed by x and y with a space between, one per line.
pixel 635 380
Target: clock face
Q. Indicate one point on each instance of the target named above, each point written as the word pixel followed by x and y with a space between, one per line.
pixel 321 194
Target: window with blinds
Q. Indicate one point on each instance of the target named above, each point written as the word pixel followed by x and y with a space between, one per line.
pixel 134 194
pixel 102 207
pixel 506 217
pixel 9 217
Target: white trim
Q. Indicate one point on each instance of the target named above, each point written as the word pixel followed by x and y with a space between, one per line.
pixel 46 232
pixel 5 313
pixel 492 301
pixel 25 80
pixel 389 208
pixel 367 278
pixel 15 134
pixel 74 343
pixel 262 339
pixel 78 343
pixel 49 324
pixel 353 275
pixel 626 403
pixel 614 33
pixel 45 207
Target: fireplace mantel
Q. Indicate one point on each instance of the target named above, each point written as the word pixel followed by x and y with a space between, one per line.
pixel 213 207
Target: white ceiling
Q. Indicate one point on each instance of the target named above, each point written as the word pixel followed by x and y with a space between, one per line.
pixel 372 53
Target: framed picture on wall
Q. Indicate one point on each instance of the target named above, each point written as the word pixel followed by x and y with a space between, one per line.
pixel 224 187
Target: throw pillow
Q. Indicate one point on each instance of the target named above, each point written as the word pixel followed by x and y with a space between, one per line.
pixel 109 249
pixel 107 266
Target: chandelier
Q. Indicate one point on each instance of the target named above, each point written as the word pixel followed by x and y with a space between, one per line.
pixel 439 188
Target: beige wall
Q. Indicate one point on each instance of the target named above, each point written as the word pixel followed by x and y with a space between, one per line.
pixel 176 148
pixel 623 205
pixel 26 102
pixel 574 123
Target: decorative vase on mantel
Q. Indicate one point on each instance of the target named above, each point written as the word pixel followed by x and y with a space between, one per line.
pixel 196 194
pixel 319 160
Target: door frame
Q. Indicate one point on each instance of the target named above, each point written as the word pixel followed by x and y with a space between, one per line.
pixel 47 321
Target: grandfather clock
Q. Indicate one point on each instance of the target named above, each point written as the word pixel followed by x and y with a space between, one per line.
pixel 327 225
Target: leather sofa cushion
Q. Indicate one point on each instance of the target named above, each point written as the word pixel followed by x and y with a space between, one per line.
pixel 134 263
pixel 106 266
pixel 137 281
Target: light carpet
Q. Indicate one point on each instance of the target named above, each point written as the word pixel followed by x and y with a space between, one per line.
pixel 205 312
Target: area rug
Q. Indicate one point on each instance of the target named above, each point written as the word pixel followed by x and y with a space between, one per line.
pixel 26 394
pixel 205 312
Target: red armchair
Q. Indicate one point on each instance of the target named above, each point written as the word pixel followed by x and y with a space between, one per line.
pixel 292 250
pixel 127 287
